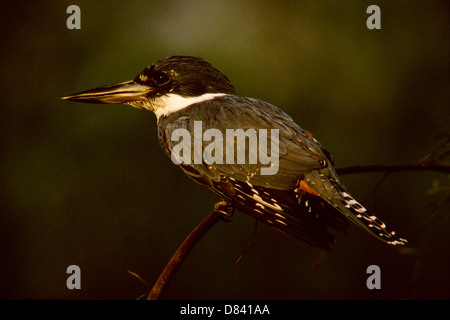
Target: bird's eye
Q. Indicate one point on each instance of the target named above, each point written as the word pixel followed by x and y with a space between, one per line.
pixel 161 78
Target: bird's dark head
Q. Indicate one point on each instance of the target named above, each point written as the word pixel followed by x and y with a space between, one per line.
pixel 185 76
pixel 169 81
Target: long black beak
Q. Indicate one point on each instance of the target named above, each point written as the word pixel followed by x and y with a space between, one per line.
pixel 114 93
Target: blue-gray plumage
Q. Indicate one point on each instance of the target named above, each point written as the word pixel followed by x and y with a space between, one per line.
pixel 303 198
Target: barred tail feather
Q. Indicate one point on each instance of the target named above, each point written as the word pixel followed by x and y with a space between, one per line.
pixel 327 185
pixel 359 215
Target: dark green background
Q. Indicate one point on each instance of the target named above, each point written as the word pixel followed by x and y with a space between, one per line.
pixel 89 184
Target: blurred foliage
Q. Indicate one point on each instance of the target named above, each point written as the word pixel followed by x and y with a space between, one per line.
pixel 89 184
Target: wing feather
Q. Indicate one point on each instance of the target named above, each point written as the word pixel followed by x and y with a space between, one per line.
pixel 298 152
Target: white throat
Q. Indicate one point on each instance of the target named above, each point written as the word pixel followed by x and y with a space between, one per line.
pixel 171 102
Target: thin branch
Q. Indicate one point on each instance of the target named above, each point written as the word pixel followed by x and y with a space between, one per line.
pixel 366 168
pixel 221 209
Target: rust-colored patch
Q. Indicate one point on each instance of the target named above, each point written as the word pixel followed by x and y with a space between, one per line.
pixel 305 187
pixel 309 134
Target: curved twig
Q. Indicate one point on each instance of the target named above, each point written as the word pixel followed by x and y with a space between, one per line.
pixel 221 209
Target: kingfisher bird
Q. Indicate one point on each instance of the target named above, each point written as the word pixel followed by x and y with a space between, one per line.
pixel 303 198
